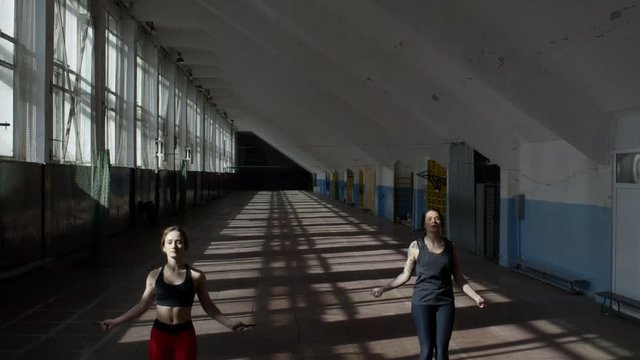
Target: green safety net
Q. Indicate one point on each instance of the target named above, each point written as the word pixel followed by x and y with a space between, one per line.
pixel 100 190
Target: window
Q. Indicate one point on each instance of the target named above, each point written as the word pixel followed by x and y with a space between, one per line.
pixel 7 67
pixel 179 126
pixel 72 85
pixel 146 92
pixel 117 128
pixel 628 168
pixel 198 142
pixel 164 91
pixel 191 126
pixel 225 146
pixel 218 154
pixel 210 150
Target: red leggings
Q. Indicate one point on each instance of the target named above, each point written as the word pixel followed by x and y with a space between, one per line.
pixel 172 342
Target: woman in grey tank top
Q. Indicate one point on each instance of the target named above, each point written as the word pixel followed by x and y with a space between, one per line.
pixel 436 260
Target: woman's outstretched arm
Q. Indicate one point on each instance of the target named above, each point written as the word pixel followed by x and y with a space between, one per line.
pixel 211 309
pixel 462 282
pixel 138 309
pixel 404 276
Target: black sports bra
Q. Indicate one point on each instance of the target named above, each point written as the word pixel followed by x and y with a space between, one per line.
pixel 180 295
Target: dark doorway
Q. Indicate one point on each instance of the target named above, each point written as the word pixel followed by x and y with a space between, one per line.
pixel 263 167
pixel 487 180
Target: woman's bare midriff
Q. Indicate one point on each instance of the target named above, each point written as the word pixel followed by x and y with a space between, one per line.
pixel 173 315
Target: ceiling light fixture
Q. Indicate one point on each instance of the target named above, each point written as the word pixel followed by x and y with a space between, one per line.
pixel 179 59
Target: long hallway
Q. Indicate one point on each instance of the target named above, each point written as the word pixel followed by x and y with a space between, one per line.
pixel 301 267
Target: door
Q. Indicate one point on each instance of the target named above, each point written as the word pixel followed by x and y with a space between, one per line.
pixel 491 222
pixel 349 186
pixel 360 189
pixel 626 242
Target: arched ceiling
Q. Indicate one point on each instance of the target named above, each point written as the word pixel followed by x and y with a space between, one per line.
pixel 348 83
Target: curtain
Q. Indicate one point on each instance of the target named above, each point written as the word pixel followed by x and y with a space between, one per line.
pixel 146 103
pixel 165 113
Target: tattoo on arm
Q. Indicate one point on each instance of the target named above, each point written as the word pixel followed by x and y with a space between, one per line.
pixel 408 267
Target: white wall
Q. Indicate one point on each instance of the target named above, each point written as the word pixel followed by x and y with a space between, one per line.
pixel 566 222
pixel 385 176
pixel 384 192
pixel 555 171
pixel 627 131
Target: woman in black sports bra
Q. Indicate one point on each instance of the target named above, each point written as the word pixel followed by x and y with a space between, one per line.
pixel 436 260
pixel 173 288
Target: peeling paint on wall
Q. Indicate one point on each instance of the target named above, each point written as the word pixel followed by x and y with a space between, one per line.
pixel 615 15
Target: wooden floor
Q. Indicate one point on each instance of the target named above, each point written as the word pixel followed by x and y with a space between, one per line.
pixel 301 268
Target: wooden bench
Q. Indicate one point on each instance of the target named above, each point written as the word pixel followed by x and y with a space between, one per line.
pixel 617 298
pixel 565 280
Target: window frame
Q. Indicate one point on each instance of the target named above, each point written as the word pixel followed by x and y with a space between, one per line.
pixel 12 67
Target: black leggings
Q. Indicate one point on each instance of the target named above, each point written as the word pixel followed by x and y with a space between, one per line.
pixel 434 325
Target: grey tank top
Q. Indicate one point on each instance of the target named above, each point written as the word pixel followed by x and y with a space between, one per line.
pixel 433 285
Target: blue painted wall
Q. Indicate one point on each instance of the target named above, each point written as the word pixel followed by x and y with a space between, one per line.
pixel 402 201
pixel 571 237
pixel 356 194
pixel 385 201
pixel 508 233
pixel 321 184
